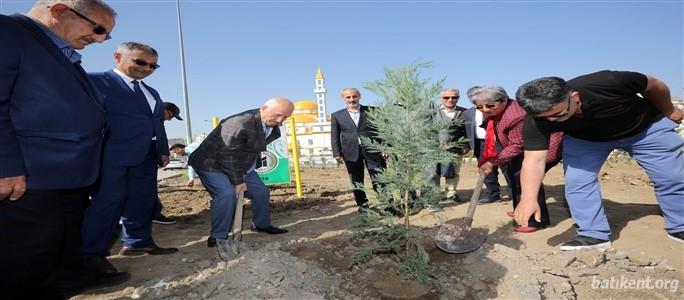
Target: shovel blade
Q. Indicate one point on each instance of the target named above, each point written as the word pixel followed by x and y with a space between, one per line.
pixel 460 237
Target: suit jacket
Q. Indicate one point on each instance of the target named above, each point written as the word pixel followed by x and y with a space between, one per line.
pixel 470 126
pixel 509 127
pixel 456 129
pixel 131 122
pixel 51 119
pixel 233 146
pixel 344 135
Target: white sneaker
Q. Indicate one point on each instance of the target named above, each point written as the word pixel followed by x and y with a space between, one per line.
pixel 433 207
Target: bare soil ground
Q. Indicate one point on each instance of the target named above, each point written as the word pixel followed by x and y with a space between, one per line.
pixel 313 260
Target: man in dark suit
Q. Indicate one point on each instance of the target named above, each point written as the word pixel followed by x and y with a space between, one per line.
pixel 135 144
pixel 346 127
pixel 476 135
pixel 226 162
pixel 51 127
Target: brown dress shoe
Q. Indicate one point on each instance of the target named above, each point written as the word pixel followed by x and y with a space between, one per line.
pixel 152 250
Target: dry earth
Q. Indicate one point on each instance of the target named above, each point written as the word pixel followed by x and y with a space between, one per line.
pixel 313 260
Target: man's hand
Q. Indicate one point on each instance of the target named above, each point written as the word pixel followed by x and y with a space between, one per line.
pixel 164 160
pixel 526 209
pixel 14 187
pixel 339 159
pixel 487 168
pixel 240 188
pixel 190 183
pixel 676 116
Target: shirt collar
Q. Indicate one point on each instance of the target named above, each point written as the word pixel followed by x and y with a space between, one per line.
pixel 68 51
pixel 125 77
pixel 358 110
pixel 441 106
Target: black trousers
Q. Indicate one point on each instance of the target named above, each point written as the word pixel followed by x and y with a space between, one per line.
pixel 40 237
pixel 512 168
pixel 355 171
pixel 491 181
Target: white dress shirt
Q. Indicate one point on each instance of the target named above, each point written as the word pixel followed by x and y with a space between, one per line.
pixel 480 132
pixel 129 81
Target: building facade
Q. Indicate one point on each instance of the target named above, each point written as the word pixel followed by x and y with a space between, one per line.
pixel 312 125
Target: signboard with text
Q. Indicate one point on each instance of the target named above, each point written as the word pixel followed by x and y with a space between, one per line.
pixel 275 166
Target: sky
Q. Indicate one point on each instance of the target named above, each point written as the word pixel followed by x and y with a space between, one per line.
pixel 240 53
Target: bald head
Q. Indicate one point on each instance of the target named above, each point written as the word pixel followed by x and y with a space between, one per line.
pixel 275 110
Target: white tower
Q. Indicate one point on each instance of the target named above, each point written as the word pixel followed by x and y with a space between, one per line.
pixel 320 95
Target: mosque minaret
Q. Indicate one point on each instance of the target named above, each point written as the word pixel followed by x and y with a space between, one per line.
pixel 320 91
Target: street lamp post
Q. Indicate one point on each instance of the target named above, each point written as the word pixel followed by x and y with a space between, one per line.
pixel 188 128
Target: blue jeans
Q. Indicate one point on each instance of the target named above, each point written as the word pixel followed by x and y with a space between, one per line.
pixel 223 201
pixel 658 150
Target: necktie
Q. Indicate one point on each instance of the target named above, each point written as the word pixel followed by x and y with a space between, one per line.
pixel 137 91
pixel 489 144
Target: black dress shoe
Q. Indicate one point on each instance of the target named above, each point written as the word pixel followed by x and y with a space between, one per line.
pixel 394 212
pixel 100 264
pixel 487 199
pixel 211 242
pixel 162 219
pixel 152 250
pixel 96 280
pixel 271 230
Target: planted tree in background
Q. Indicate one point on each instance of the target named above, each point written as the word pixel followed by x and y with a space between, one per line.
pixel 408 137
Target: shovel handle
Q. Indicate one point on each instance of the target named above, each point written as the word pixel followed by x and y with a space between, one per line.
pixel 476 195
pixel 236 230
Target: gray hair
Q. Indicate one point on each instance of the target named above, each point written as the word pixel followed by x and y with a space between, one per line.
pixel 488 93
pixel 127 47
pixel 539 95
pixel 82 6
pixel 450 90
pixel 350 89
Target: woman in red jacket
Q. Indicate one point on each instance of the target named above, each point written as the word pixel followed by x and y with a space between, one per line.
pixel 503 120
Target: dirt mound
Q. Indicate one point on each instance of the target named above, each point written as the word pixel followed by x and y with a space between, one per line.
pixel 266 273
pixel 313 260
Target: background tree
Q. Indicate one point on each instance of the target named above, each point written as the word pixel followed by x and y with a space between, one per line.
pixel 408 137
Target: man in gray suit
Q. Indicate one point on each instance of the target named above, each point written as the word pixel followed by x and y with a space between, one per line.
pixel 450 113
pixel 226 162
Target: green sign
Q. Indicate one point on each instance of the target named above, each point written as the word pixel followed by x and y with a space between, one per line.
pixel 275 166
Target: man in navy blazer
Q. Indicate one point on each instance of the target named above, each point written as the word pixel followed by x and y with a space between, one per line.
pixel 346 127
pixel 51 128
pixel 135 144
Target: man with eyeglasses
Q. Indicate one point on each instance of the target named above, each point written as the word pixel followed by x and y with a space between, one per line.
pixel 347 126
pixel 452 114
pixel 135 144
pixel 476 137
pixel 600 112
pixel 51 127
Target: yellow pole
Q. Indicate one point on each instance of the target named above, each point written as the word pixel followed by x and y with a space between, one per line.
pixel 214 122
pixel 295 157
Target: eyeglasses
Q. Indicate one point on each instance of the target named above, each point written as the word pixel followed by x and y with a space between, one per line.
pixel 481 107
pixel 351 97
pixel 97 28
pixel 559 114
pixel 451 98
pixel 143 63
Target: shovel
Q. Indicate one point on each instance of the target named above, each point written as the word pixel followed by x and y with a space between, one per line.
pixel 460 237
pixel 236 231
